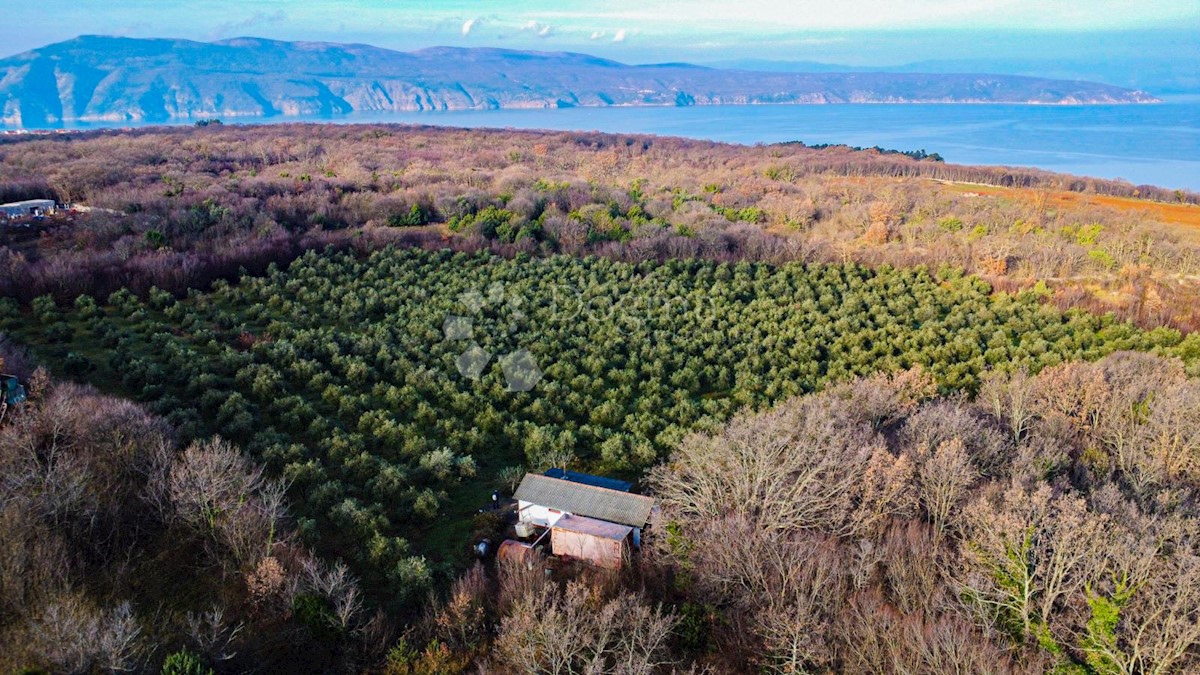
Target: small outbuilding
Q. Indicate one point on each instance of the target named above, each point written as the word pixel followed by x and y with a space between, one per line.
pixel 597 542
pixel 543 501
pixel 29 207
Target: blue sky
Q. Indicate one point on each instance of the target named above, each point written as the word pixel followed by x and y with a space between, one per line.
pixel 859 32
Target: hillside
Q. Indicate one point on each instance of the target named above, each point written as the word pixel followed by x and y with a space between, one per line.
pixel 94 78
pixel 179 207
pixel 858 382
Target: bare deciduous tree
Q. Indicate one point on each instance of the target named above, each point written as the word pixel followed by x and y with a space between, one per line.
pixel 795 467
pixel 212 634
pixel 74 636
pixel 335 583
pixel 1009 397
pixel 209 481
pixel 1029 550
pixel 880 639
pixel 953 420
pixel 943 476
pixel 575 631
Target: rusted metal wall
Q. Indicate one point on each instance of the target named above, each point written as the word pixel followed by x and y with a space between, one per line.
pixel 598 551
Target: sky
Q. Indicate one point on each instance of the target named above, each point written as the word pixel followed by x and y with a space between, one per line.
pixel 855 32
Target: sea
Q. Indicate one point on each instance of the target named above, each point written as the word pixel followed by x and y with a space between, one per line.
pixel 1156 144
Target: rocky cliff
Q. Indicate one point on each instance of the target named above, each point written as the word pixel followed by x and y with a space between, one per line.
pixel 95 78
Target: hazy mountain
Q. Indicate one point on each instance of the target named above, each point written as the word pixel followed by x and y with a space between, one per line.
pixel 117 79
pixel 1162 76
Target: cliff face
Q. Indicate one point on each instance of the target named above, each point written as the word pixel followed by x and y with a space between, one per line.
pixel 123 79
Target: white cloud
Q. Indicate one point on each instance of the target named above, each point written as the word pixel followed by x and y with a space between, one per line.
pixel 538 28
pixel 596 35
pixel 256 20
pixel 468 26
pixel 619 36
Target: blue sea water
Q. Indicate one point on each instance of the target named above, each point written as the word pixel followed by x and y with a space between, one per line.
pixel 1145 144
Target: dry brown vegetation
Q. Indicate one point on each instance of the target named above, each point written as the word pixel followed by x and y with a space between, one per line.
pixel 871 528
pixel 117 548
pixel 191 205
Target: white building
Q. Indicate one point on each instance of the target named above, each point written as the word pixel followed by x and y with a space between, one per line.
pixel 543 501
pixel 29 207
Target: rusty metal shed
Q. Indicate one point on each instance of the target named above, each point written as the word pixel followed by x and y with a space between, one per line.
pixel 594 541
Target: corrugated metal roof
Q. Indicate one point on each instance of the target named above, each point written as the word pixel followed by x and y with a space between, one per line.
pixel 593 527
pixel 40 203
pixel 585 500
pixel 589 479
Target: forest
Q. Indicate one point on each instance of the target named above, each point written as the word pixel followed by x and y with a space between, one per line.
pixel 178 208
pixel 895 422
pixel 1046 525
pixel 124 550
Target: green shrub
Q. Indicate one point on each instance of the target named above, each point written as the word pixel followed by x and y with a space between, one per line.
pixel 1102 258
pixel 416 215
pixel 184 662
pixel 44 308
pixel 695 627
pixel 951 224
pixel 77 364
pixel 316 614
pixel 155 239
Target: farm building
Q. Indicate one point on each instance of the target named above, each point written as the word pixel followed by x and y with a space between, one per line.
pixel 598 542
pixel 29 207
pixel 597 524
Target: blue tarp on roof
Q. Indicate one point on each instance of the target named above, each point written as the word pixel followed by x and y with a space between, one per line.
pixel 588 479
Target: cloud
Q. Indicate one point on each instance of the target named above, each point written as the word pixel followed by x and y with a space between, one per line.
pixel 619 36
pixel 253 21
pixel 538 28
pixel 596 35
pixel 468 26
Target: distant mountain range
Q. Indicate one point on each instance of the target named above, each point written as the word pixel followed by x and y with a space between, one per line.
pixel 1180 76
pixel 113 79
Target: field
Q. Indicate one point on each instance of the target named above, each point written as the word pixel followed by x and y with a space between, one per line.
pixel 392 390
